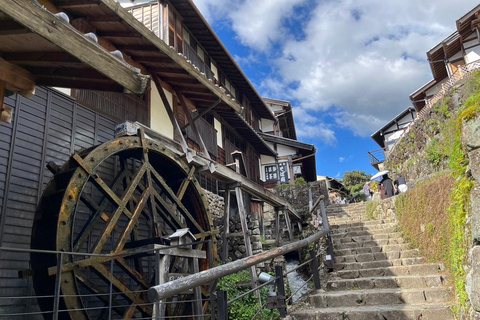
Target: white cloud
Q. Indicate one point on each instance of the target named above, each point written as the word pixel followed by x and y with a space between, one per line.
pixel 341 159
pixel 357 61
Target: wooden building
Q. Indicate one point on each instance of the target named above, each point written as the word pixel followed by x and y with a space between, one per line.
pixel 294 158
pixel 387 136
pixel 179 82
pixel 454 58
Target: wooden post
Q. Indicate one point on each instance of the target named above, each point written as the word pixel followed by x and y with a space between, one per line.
pixel 281 306
pixel 310 200
pixel 226 223
pixel 197 293
pixel 277 227
pixel 314 265
pixel 222 311
pixel 289 224
pixel 246 236
pixel 192 124
pixel 163 277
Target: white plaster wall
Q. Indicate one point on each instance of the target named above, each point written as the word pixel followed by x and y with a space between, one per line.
pixel 285 151
pixel 66 91
pixel 473 54
pixel 218 126
pixel 267 125
pixel 214 70
pixel 160 121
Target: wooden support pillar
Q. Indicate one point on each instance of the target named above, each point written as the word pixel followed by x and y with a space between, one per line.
pixel 226 223
pixel 246 236
pixel 277 227
pixel 197 293
pixel 289 224
pixel 192 124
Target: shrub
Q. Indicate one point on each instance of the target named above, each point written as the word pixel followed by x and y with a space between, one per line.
pixel 300 181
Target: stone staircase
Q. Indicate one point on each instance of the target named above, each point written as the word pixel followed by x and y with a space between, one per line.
pixel 376 274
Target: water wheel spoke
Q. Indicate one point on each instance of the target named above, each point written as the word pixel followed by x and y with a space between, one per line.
pixel 121 287
pixel 134 274
pixel 185 183
pixel 93 218
pixel 173 197
pixel 157 232
pixel 100 294
pixel 131 224
pixel 121 209
pixel 164 206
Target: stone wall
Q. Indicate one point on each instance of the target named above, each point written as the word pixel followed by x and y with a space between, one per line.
pixel 410 156
pixel 471 143
pixel 236 245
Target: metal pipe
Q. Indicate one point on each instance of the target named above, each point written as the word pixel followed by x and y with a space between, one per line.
pixel 174 287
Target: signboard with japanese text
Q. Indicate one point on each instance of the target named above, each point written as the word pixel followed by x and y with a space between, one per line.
pixel 271 173
pixel 283 172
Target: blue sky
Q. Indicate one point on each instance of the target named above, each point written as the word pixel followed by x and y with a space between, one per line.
pixel 347 66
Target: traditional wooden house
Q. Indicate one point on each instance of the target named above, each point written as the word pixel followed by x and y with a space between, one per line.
pixel 389 134
pixel 294 158
pixel 131 191
pixel 451 60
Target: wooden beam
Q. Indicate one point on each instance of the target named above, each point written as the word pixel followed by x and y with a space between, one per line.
pixel 45 24
pixel 16 79
pixel 76 3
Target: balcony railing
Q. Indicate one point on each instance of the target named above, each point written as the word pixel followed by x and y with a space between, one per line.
pixel 197 62
pixel 461 73
pixel 377 156
pixel 149 15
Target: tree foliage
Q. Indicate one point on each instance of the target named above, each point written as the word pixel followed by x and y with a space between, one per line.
pixel 354 181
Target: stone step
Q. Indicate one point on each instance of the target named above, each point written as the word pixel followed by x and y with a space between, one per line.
pixel 407 282
pixel 379 264
pixel 357 233
pixel 434 311
pixel 371 243
pixel 378 256
pixel 365 228
pixel 368 237
pixel 416 269
pixel 356 223
pixel 374 249
pixel 379 297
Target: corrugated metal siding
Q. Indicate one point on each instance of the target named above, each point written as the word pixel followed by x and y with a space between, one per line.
pixel 46 127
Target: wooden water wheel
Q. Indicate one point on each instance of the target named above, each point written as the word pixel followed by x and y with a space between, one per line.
pixel 113 199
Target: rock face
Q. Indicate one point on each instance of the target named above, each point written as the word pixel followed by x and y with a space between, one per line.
pixel 376 275
pixel 470 136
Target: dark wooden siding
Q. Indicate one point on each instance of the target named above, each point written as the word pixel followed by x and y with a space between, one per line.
pixel 114 105
pixel 46 127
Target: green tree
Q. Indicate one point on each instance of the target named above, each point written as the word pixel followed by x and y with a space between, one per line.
pixel 354 181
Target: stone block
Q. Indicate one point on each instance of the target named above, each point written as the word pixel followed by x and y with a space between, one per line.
pixel 475 211
pixel 474 159
pixel 242 249
pixel 238 254
pixel 471 134
pixel 256 231
pixel 257 246
pixel 472 285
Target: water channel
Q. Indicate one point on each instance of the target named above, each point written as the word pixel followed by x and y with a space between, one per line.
pixel 296 279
